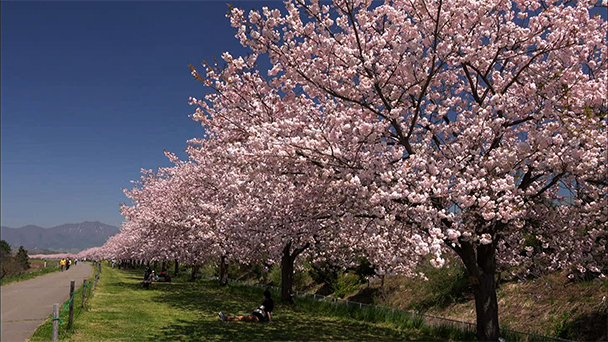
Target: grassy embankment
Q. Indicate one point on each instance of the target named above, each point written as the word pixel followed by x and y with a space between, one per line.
pixel 120 310
pixel 51 266
pixel 548 305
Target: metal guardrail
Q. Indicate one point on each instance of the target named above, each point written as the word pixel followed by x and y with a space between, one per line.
pixel 427 319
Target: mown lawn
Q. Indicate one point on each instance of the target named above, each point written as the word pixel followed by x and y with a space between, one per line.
pixel 120 310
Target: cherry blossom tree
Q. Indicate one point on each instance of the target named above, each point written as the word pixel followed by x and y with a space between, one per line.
pixel 189 212
pixel 453 125
pixel 270 208
pixel 54 256
pixel 161 220
pixel 279 209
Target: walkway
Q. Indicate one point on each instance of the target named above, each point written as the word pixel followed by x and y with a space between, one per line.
pixel 26 304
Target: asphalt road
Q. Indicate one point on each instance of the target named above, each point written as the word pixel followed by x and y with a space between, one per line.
pixel 26 304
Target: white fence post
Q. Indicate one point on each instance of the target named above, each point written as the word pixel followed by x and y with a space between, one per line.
pixel 55 322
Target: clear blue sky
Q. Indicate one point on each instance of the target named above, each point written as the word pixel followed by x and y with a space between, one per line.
pixel 94 91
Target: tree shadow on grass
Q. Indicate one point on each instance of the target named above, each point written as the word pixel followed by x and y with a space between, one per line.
pixel 137 286
pixel 207 299
pixel 366 295
pixel 135 272
pixel 287 327
pixel 589 327
pixel 204 297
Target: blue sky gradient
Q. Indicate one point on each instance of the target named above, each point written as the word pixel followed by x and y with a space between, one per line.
pixel 94 91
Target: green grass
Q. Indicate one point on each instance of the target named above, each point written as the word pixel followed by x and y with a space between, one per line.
pixel 387 317
pixel 51 267
pixel 392 318
pixel 120 310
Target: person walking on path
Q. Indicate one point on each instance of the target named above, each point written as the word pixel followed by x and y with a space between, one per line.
pixel 261 314
pixel 62 263
pixel 67 264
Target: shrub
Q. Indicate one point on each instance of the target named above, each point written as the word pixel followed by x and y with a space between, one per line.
pixel 5 248
pixel 10 267
pixel 324 273
pixel 444 286
pixel 346 284
pixel 207 269
pixel 275 276
pixel 364 270
pixel 23 258
pixel 563 328
pixel 302 280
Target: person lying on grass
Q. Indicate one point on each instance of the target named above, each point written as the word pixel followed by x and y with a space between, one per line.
pixel 261 314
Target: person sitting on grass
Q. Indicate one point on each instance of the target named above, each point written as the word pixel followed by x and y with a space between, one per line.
pixel 164 276
pixel 261 314
pixel 147 279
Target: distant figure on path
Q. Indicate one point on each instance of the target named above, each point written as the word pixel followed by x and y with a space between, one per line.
pixel 62 263
pixel 261 314
pixel 67 264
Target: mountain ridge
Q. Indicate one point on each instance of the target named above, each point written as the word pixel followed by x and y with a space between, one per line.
pixel 70 237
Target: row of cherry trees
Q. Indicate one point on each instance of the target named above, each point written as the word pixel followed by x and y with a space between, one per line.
pixel 396 131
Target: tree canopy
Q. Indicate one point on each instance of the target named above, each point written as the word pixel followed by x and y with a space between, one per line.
pixel 398 130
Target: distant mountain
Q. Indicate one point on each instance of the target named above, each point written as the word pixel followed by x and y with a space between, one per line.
pixel 69 237
pixel 32 251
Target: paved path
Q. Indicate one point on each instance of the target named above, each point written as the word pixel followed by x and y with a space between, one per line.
pixel 26 304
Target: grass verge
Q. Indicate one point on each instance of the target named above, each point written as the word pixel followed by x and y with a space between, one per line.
pixel 32 272
pixel 121 310
pixel 45 330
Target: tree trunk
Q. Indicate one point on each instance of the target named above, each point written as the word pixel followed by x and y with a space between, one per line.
pixel 176 268
pixel 194 272
pixel 155 264
pixel 287 275
pixel 223 271
pixel 287 262
pixel 481 265
pixel 486 306
pixel 164 266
